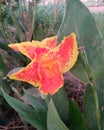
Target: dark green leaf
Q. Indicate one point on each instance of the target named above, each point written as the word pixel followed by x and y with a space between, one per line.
pixel 4 86
pixel 78 19
pixel 100 91
pixel 79 69
pixel 39 105
pixel 62 105
pixel 76 118
pixel 4 46
pixel 18 28
pixel 53 120
pixel 3 67
pixel 25 111
pixel 91 109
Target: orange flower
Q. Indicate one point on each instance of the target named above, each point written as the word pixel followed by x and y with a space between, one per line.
pixel 48 62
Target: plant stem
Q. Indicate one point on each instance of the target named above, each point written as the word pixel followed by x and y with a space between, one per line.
pixel 87 67
pixel 97 107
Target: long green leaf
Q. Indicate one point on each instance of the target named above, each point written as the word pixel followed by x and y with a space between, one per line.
pixel 91 109
pixel 76 118
pixel 4 46
pixel 62 105
pixel 36 102
pixel 78 19
pixel 4 86
pixel 3 68
pixel 53 120
pixel 25 111
pixel 100 91
pixel 39 105
pixel 20 33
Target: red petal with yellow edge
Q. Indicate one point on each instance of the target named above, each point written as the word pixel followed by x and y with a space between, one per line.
pixel 51 79
pixel 67 52
pixel 16 46
pixel 30 50
pixel 28 74
pixel 34 51
pixel 50 42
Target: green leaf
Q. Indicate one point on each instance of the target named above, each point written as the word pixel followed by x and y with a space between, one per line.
pixel 91 109
pixel 79 69
pixel 20 33
pixel 4 46
pixel 76 118
pixel 53 120
pixel 4 86
pixel 62 105
pixel 100 91
pixel 3 68
pixel 27 112
pixel 78 19
pixel 39 105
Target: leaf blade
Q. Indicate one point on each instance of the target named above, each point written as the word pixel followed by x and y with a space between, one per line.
pixel 54 122
pixel 91 109
pixel 62 107
pixel 76 118
pixel 39 105
pixel 25 111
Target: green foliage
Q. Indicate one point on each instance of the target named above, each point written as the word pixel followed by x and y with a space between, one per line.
pixel 17 21
pixel 76 118
pixel 100 91
pixel 39 105
pixel 48 20
pixel 53 119
pixel 62 107
pixel 91 109
pixel 26 111
pixel 3 68
pixel 99 18
pixel 11 31
pixel 57 111
pixel 48 119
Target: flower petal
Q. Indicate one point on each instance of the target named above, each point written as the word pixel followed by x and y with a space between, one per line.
pixel 26 48
pixel 27 74
pixel 67 52
pixel 50 42
pixel 51 78
pixel 30 49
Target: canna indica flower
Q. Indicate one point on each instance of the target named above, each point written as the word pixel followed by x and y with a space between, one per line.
pixel 48 62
